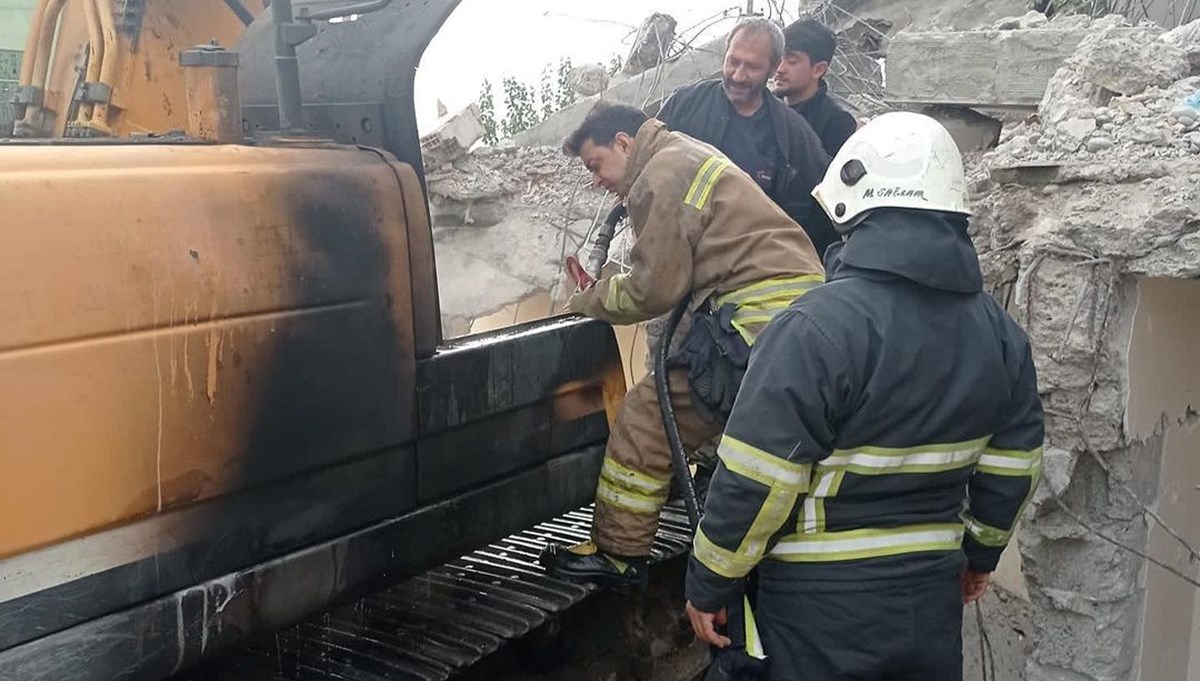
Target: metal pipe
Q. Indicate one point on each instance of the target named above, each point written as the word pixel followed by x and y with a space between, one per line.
pixel 91 13
pixel 32 42
pixel 48 26
pixel 345 11
pixel 287 68
pixel 41 57
pixel 108 65
pixel 240 10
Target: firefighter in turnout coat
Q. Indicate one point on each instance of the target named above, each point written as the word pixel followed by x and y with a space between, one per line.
pixel 704 228
pixel 886 438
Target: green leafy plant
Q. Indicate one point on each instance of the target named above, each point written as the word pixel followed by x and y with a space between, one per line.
pixel 487 113
pixel 520 111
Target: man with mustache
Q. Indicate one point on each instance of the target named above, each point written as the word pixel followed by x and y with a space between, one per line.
pixel 765 138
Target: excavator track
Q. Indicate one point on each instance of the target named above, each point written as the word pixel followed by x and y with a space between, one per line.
pixel 432 627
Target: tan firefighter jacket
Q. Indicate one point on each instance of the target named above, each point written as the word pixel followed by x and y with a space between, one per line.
pixel 704 226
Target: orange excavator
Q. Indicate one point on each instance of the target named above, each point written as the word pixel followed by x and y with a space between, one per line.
pixel 225 401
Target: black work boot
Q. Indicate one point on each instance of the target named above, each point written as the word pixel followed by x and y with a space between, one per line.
pixel 587 563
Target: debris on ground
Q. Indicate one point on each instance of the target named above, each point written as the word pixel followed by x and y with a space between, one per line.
pixel 504 218
pixel 453 137
pixel 1125 94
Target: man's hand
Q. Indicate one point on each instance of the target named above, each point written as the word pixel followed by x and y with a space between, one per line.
pixel 705 625
pixel 576 302
pixel 974 585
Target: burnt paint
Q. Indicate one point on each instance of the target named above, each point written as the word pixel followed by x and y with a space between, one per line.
pixel 172 633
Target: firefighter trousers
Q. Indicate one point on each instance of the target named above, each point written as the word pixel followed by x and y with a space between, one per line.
pixel 636 476
pixel 905 631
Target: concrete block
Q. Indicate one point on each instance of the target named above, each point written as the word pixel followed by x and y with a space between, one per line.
pixel 453 138
pixel 977 68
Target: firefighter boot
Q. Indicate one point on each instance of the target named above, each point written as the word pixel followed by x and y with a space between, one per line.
pixel 587 563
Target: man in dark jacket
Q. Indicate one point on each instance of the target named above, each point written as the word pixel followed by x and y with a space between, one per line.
pixel 886 437
pixel 771 143
pixel 800 81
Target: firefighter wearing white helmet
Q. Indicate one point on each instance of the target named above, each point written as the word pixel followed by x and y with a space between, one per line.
pixel 899 160
pixel 886 436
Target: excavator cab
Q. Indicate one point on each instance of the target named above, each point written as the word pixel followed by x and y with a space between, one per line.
pixel 225 400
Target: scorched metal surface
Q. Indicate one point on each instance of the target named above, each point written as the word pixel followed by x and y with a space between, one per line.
pixel 434 626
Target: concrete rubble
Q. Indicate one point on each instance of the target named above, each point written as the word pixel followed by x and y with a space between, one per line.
pixel 654 39
pixel 503 220
pixel 1009 65
pixel 453 137
pixel 1122 96
pixel 1085 214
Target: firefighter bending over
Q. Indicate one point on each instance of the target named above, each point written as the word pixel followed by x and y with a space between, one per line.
pixel 705 228
pixel 886 437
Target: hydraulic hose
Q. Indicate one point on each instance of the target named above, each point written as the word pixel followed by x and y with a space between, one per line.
pixel 604 237
pixel 679 462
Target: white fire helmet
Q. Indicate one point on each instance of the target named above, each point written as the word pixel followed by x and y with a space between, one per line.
pixel 898 160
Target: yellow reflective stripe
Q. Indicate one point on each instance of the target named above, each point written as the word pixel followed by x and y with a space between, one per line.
pixel 1010 462
pixel 771 289
pixel 728 564
pixel 813 515
pixel 762 467
pixel 924 459
pixel 711 183
pixel 705 180
pixel 618 301
pixel 736 564
pixel 694 190
pixel 774 512
pixel 860 544
pixel 634 481
pixel 986 534
pixel 753 641
pixel 626 500
pixel 757 304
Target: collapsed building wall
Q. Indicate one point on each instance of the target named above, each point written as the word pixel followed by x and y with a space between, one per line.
pixel 1088 225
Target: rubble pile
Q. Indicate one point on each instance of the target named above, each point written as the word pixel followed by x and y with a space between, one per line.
pixel 1082 213
pixel 503 218
pixel 471 189
pixel 1129 92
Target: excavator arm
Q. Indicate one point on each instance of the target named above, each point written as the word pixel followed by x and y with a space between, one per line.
pixel 110 68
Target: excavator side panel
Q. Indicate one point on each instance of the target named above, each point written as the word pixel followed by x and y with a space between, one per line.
pixel 224 405
pixel 206 358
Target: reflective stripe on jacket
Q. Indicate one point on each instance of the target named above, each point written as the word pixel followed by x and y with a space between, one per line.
pixel 888 425
pixel 702 226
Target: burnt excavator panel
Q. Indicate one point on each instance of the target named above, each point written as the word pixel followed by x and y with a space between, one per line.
pixel 223 407
pixel 207 358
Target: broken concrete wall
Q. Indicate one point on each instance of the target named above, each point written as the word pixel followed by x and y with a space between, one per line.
pixel 982 68
pixel 1164 395
pixel 1081 245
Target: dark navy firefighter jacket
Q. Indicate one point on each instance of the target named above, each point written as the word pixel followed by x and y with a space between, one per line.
pixel 888 427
